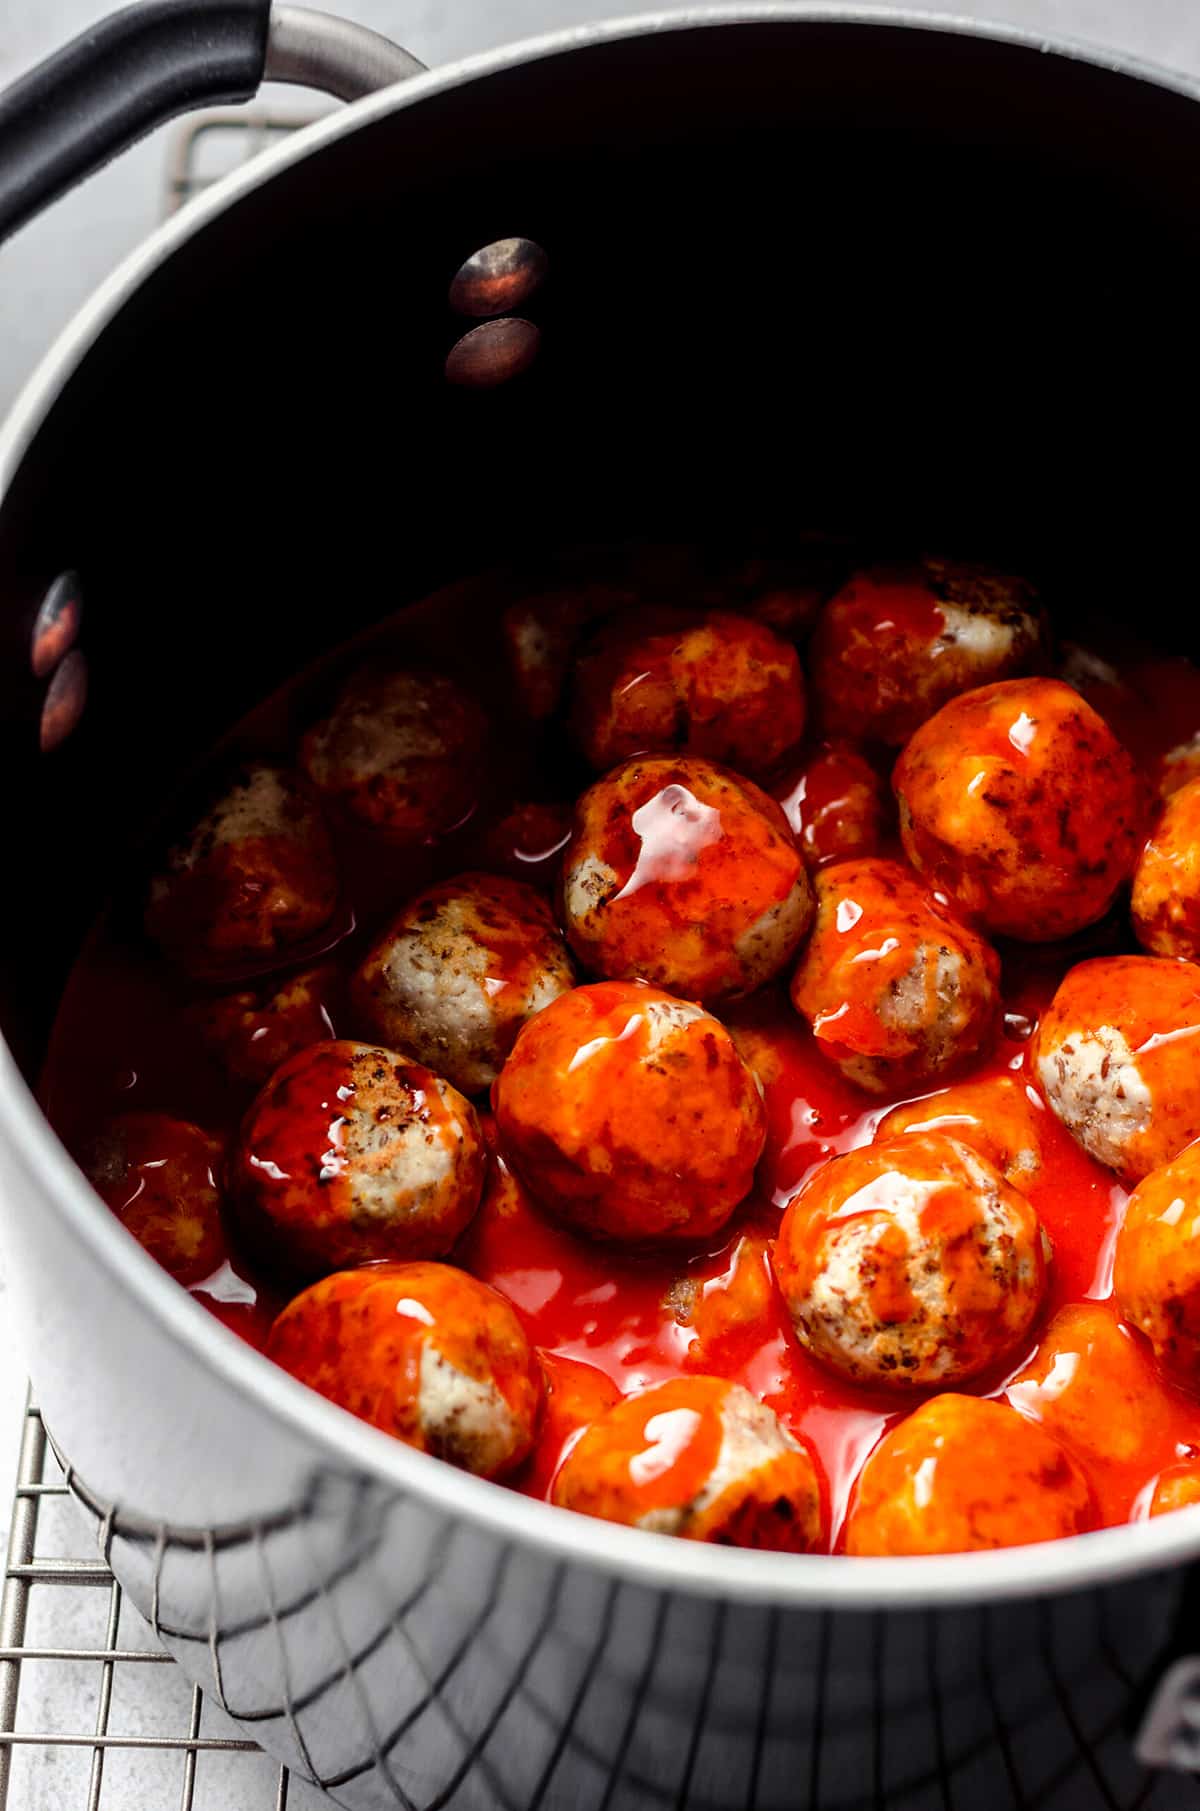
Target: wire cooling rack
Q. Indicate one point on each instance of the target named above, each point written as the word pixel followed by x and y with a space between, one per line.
pixel 78 1726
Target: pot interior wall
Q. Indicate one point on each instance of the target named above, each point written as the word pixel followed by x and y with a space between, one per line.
pixel 917 285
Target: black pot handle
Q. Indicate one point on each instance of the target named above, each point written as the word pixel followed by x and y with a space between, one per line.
pixel 144 65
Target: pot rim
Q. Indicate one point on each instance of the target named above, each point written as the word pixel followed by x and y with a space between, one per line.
pixel 810 1581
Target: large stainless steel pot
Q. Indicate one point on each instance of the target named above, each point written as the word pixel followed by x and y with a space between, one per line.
pixel 805 268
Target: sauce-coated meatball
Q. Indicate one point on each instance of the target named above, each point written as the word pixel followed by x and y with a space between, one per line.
pixel 352 1153
pixel 457 973
pixel 897 642
pixel 910 1262
pixel 252 1032
pixel 686 875
pixel 896 990
pixel 254 877
pixel 960 1475
pixel 160 1178
pixel 422 1351
pixel 1166 881
pixel 1115 1056
pixel 834 804
pixel 401 752
pixel 1019 802
pixel 1178 1487
pixel 700 1458
pixel 1157 1271
pixel 630 1114
pixel 995 1116
pixel 1092 1385
pixel 718 686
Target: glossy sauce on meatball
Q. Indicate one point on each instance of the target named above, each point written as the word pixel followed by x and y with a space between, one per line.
pixel 896 643
pixel 835 804
pixel 911 1263
pixel 161 1178
pixel 960 1475
pixel 719 686
pixel 630 1113
pixel 699 1458
pixel 352 1153
pixel 1166 882
pixel 425 1353
pixel 1115 1057
pixel 896 990
pixel 993 810
pixel 683 874
pixel 254 877
pixel 1157 1270
pixel 458 972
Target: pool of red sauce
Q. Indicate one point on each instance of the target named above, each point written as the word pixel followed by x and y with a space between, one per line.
pixel 120 1042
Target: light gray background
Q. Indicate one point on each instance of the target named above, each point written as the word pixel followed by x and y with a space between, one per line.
pixel 45 273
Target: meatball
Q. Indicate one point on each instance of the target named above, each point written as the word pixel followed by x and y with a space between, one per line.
pixel 700 1458
pixel 1178 1487
pixel 401 752
pixel 898 642
pixel 630 1114
pixel 456 974
pixel 540 634
pixel 1019 802
pixel 253 878
pixel 252 1032
pixel 160 1178
pixel 352 1153
pixel 716 685
pixel 896 990
pixel 422 1351
pixel 1000 1117
pixel 1115 1057
pixel 960 1475
pixel 834 804
pixel 527 841
pixel 910 1262
pixel 1092 1385
pixel 1156 1275
pixel 1166 881
pixel 686 875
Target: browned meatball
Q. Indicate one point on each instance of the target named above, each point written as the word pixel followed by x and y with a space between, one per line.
pixel 1115 1057
pixel 425 1353
pixel 352 1153
pixel 1166 881
pixel 896 990
pixel 700 1458
pixel 897 642
pixel 255 1030
pixel 715 685
pixel 1157 1270
pixel 160 1176
pixel 960 1476
pixel 254 877
pixel 911 1262
pixel 630 1114
pixel 455 976
pixel 1019 802
pixel 401 752
pixel 684 874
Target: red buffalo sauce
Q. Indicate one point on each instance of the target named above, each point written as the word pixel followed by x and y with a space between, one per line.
pixel 607 1320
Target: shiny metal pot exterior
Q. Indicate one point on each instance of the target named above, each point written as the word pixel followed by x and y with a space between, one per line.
pixel 802 269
